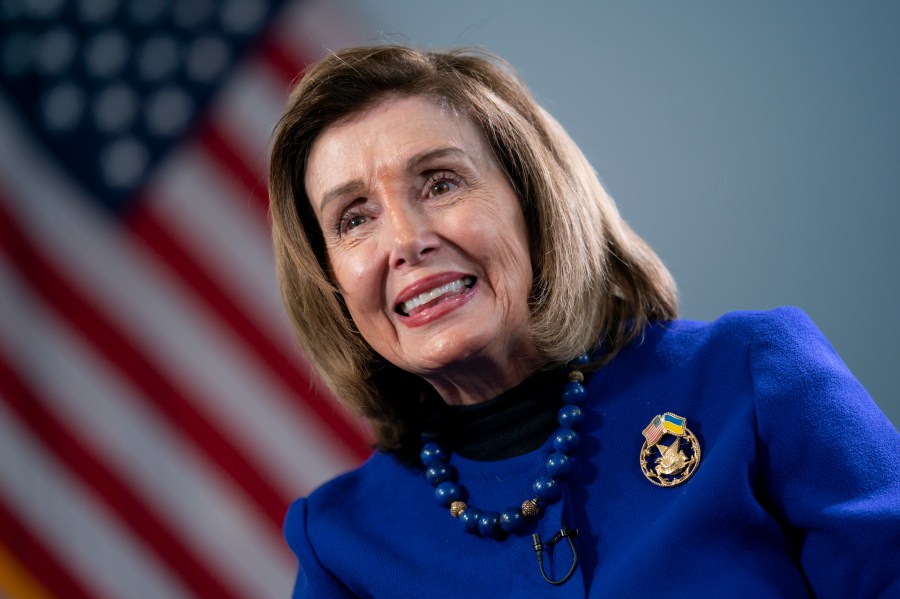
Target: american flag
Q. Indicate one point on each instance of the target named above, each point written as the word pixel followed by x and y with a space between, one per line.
pixel 156 417
pixel 654 430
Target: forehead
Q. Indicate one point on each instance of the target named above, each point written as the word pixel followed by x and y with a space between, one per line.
pixel 384 136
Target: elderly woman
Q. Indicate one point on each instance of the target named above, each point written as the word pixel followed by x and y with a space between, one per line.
pixel 545 426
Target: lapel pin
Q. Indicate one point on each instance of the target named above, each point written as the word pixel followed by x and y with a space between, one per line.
pixel 671 452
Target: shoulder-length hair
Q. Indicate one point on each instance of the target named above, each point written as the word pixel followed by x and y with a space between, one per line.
pixel 594 278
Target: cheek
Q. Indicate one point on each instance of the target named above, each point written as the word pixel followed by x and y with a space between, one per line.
pixel 356 275
pixel 504 234
pixel 499 243
pixel 515 258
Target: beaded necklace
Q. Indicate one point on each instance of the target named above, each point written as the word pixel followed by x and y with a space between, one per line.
pixel 547 488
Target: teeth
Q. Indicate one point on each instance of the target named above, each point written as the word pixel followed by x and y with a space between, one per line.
pixel 435 293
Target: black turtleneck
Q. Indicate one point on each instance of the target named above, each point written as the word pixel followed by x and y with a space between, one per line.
pixel 511 424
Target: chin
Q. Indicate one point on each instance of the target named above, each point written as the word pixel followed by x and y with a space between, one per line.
pixel 445 351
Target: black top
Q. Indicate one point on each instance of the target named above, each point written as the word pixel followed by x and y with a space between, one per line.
pixel 511 424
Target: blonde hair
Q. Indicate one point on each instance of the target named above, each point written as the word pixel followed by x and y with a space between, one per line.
pixel 594 278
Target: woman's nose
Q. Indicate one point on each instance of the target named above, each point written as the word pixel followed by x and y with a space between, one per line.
pixel 414 238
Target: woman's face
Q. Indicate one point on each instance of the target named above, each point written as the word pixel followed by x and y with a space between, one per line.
pixel 425 238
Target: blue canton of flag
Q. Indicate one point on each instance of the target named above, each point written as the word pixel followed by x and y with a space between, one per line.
pixel 111 87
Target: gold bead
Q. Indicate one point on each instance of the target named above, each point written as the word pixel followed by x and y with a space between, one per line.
pixel 576 375
pixel 530 508
pixel 457 507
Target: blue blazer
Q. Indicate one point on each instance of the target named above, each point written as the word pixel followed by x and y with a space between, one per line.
pixel 797 492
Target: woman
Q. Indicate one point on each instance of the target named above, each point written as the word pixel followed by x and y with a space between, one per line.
pixel 545 427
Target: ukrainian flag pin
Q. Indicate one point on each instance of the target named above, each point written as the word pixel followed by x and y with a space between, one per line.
pixel 674 463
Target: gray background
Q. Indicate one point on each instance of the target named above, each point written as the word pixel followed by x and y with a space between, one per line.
pixel 755 145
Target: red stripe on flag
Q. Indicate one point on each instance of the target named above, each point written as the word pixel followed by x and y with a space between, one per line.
pixel 221 150
pixel 145 226
pixel 127 505
pixel 37 559
pixel 162 394
pixel 283 62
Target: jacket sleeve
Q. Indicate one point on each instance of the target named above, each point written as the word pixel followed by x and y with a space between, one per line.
pixel 828 459
pixel 313 580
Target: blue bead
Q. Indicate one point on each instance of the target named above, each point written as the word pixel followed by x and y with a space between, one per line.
pixel 547 489
pixel 489 524
pixel 447 492
pixel 565 440
pixel 431 453
pixel 439 472
pixel 581 360
pixel 511 520
pixel 569 416
pixel 558 464
pixel 573 393
pixel 469 519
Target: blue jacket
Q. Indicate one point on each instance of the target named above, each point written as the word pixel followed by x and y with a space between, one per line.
pixel 797 492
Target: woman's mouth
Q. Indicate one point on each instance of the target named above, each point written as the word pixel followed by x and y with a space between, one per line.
pixel 434 296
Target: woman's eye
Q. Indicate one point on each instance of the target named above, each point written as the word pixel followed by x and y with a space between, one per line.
pixel 351 221
pixel 441 187
pixel 442 183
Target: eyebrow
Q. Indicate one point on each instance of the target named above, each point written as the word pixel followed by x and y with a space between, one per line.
pixel 357 184
pixel 427 155
pixel 340 190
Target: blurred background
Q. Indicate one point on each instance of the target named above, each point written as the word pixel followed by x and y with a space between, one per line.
pixel 155 416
